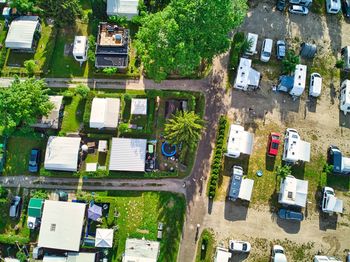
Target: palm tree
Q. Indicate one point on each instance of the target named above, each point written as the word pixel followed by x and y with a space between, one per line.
pixel 183 128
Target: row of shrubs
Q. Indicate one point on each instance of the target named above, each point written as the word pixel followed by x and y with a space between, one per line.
pixel 217 160
pixel 238 45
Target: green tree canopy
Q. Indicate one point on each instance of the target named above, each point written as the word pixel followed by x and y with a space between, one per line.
pixel 183 128
pixel 24 6
pixel 187 32
pixel 22 103
pixel 82 90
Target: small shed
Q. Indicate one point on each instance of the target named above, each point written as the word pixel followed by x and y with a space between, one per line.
pixel 104 238
pixel 308 50
pixel 105 113
pixel 138 106
pixel 35 207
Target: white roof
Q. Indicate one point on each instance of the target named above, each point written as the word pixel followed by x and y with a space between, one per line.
pixel 8 259
pixel 138 106
pixel 104 237
pixel 222 255
pixel 81 257
pixel 62 153
pixel 52 120
pixel 104 113
pixel 21 32
pixel 334 204
pixel 61 225
pixel 128 8
pixel 299 80
pixel 254 40
pixel 246 189
pixel 296 149
pixel 239 141
pixel 48 258
pixel 346 98
pixel 140 250
pixel 128 154
pixel 315 89
pixel 79 47
pixel 90 167
pixel 326 259
pixel 246 76
pixel 293 191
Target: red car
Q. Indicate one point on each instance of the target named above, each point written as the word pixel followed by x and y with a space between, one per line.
pixel 272 146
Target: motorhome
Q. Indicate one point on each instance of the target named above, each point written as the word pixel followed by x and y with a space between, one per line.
pixel 345 96
pixel 293 192
pixel 239 142
pixel 295 149
pixel 80 49
pixel 295 84
pixel 247 77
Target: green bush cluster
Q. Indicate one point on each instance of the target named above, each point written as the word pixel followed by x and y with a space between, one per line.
pixel 217 160
pixel 237 46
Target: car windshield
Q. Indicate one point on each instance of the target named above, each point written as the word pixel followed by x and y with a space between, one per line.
pixel 32 157
pixel 244 246
pixel 267 54
pixel 274 145
pixel 279 251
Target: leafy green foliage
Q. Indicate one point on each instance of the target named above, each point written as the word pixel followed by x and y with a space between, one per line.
pixel 239 45
pixel 183 128
pixel 217 160
pixel 328 169
pixel 64 12
pixel 40 193
pixel 290 61
pixel 284 171
pixel 82 90
pixel 30 66
pixel 186 33
pixel 110 70
pixel 340 64
pixel 91 50
pixel 21 256
pixel 3 192
pixel 25 6
pixel 22 103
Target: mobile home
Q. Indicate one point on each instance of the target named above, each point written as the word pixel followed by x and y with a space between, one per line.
pixel 345 97
pixel 295 149
pixel 239 142
pixel 247 77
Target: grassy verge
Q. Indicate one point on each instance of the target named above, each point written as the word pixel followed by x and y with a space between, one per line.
pixel 73 114
pixel 139 214
pixel 208 240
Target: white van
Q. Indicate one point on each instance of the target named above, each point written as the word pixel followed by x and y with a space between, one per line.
pixel 253 38
pixel 345 97
pixel 333 6
pixel 266 50
pixel 315 85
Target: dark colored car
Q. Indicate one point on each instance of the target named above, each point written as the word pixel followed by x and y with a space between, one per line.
pixel 290 215
pixel 281 5
pixel 346 8
pixel 34 161
pixel 272 146
pixel 281 49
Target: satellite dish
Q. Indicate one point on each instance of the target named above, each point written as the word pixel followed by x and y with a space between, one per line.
pixel 85 148
pixel 31 225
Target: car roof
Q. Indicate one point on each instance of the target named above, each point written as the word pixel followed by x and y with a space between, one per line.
pixel 297 7
pixel 279 257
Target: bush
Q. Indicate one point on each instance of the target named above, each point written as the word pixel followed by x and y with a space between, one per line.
pixel 217 160
pixel 40 193
pixel 30 66
pixel 91 51
pixel 82 90
pixel 340 64
pixel 110 70
pixel 3 192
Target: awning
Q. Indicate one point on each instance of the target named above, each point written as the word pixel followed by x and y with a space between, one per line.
pixel 286 83
pixel 246 189
pixel 304 149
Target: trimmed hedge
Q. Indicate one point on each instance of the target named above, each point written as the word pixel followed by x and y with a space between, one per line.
pixel 217 159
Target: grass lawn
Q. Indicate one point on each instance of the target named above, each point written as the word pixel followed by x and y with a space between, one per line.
pixel 139 214
pixel 18 152
pixel 73 114
pixel 208 239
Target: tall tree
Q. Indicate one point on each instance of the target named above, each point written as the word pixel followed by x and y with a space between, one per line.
pixel 24 6
pixel 183 128
pixel 64 12
pixel 22 102
pixel 186 33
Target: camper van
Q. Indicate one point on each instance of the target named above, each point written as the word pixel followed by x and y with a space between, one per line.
pixel 345 97
pixel 306 3
pixel 253 38
pixel 345 54
pixel 326 259
pixel 333 6
pixel 315 85
pixel 80 48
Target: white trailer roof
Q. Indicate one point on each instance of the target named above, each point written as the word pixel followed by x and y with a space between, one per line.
pixel 334 204
pixel 140 250
pixel 61 225
pixel 246 76
pixel 138 106
pixel 128 8
pixel 254 40
pixel 62 153
pixel 299 80
pixel 296 149
pixel 239 141
pixel 293 191
pixel 222 255
pixel 79 47
pixel 21 32
pixel 346 98
pixel 246 189
pixel 81 257
pixel 104 113
pixel 128 154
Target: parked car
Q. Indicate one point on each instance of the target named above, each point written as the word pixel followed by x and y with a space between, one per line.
pixel 34 160
pixel 281 49
pixel 239 246
pixel 298 10
pixel 346 8
pixel 15 207
pixel 274 142
pixel 315 85
pixel 281 5
pixel 290 215
pixel 266 50
pixel 278 254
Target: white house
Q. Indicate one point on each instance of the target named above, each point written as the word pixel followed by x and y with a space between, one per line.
pixel 104 113
pixel 53 119
pixel 62 153
pixel 239 141
pixel 295 149
pixel 21 34
pixel 138 106
pixel 141 250
pixel 294 85
pixel 80 48
pixel 126 8
pixel 128 154
pixel 222 255
pixel 345 96
pixel 293 192
pixel 62 225
pixel 247 77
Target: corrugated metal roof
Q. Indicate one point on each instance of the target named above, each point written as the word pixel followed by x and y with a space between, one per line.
pixel 128 154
